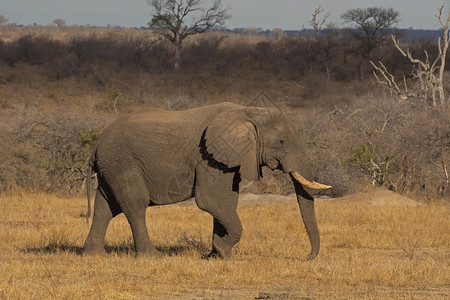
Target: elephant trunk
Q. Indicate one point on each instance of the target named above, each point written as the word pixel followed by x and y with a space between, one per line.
pixel 306 204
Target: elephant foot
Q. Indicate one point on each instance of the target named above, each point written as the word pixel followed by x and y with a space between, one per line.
pixel 311 256
pixel 91 250
pixel 220 250
pixel 212 255
pixel 151 252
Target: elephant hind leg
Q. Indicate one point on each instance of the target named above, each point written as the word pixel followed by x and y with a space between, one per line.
pixel 131 193
pixel 103 213
pixel 142 242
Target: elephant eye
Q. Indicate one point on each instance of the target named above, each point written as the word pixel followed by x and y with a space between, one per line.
pixel 281 141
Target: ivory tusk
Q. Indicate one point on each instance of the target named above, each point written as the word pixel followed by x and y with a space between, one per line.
pixel 307 183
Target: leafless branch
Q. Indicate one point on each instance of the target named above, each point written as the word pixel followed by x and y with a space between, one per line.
pixel 169 20
pixel 389 80
pixel 317 25
pixel 431 75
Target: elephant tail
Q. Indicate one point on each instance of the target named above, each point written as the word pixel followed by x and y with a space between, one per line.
pixel 91 167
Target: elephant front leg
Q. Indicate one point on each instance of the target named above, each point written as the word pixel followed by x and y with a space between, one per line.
pixel 224 238
pixel 217 193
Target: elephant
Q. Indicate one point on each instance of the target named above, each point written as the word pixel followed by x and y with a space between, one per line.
pixel 160 157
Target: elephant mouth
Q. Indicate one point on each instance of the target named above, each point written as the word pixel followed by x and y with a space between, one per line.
pixel 303 181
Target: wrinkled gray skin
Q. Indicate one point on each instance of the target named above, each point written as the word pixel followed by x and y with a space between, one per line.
pixel 161 157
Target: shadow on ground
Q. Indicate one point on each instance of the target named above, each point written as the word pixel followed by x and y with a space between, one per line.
pixel 54 248
pixel 128 249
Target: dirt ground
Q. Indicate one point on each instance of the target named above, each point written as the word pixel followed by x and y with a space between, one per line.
pixel 376 196
pixel 374 244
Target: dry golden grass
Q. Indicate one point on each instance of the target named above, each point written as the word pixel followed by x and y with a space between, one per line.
pixel 374 245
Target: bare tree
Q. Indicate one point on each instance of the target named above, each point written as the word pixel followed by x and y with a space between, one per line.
pixel 315 23
pixel 323 46
pixel 431 74
pixel 387 80
pixel 170 15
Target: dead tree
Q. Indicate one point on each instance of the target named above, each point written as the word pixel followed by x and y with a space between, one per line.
pixel 315 23
pixel 431 74
pixel 388 81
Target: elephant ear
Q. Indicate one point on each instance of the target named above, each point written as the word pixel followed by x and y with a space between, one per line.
pixel 232 139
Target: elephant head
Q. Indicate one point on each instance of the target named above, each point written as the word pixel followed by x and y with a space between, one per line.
pixel 252 137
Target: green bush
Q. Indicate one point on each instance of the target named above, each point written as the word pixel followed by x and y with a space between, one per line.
pixel 88 137
pixel 378 169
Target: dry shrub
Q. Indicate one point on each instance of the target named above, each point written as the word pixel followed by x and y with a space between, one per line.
pixel 47 150
pixel 402 145
pixel 352 137
pixel 72 52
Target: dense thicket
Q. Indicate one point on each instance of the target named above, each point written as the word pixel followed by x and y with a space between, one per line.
pixel 58 92
pixel 286 57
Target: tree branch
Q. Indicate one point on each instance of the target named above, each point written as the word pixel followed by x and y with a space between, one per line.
pixel 170 15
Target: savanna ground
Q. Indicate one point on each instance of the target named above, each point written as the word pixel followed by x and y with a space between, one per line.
pixel 375 244
pixel 60 88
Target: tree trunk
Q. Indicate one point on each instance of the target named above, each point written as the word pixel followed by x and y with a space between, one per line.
pixel 328 72
pixel 442 94
pixel 433 95
pixel 306 204
pixel 178 47
pixel 359 71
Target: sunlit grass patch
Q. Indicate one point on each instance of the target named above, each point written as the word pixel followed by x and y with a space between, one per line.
pixel 367 251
